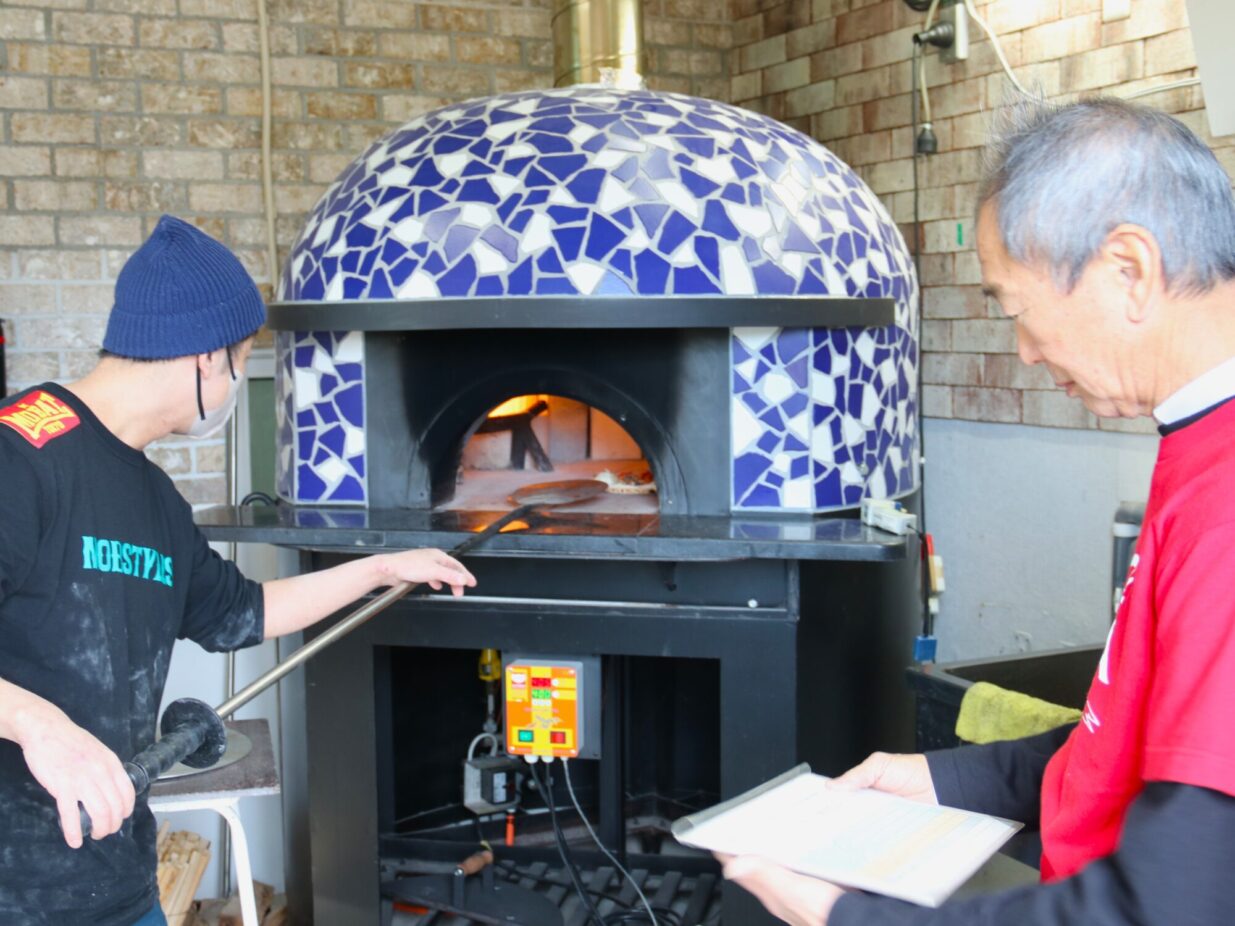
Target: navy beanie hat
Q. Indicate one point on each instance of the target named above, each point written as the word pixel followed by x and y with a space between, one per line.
pixel 181 293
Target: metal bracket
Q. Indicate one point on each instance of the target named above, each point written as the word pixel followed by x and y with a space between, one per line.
pixel 959 18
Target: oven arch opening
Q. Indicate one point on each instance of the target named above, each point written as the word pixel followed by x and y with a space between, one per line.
pixel 465 438
pixel 541 438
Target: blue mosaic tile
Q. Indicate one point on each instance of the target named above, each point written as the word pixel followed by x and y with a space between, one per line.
pixel 733 174
pixel 850 432
pixel 285 416
pixel 319 382
pixel 604 192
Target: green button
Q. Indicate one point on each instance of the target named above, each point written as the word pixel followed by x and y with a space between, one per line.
pixel 525 736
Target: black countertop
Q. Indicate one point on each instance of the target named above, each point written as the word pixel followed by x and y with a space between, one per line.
pixel 558 534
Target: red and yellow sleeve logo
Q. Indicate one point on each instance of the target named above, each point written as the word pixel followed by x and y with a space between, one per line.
pixel 39 417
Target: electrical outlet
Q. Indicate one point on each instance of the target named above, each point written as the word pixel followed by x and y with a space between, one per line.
pixel 959 18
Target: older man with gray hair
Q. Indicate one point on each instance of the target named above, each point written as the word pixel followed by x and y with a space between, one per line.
pixel 1106 232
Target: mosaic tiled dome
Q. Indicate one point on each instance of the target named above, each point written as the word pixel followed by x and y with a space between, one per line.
pixel 613 193
pixel 595 191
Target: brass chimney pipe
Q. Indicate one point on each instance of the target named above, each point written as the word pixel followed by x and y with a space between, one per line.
pixel 598 42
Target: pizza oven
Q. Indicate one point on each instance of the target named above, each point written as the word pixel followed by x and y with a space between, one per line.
pixel 693 302
pixel 718 284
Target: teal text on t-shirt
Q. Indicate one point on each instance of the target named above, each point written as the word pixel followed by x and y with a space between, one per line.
pixel 127 559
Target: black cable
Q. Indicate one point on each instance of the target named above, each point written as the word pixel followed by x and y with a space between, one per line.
pixel 570 789
pixel 257 497
pixel 663 915
pixel 705 799
pixel 928 621
pixel 917 255
pixel 546 793
pixel 512 871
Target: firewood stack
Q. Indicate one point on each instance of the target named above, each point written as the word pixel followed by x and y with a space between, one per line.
pixel 271 909
pixel 183 857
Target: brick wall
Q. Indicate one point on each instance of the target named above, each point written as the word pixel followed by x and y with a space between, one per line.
pixel 840 71
pixel 115 111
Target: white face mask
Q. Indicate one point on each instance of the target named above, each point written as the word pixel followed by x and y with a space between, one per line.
pixel 214 421
pixel 210 423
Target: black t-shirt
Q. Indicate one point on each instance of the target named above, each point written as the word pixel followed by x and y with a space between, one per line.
pixel 101 570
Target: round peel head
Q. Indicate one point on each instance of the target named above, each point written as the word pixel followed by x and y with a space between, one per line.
pixel 563 492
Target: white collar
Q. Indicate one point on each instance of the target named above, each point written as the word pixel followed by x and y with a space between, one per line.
pixel 1206 391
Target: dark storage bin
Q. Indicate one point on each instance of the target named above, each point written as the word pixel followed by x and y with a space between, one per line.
pixel 1060 676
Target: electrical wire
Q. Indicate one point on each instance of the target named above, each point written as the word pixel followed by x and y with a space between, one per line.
pixel 570 788
pixel 668 917
pixel 491 737
pixel 263 35
pixel 920 68
pixel 272 254
pixel 546 793
pixel 254 497
pixel 972 9
pixel 423 813
pixel 928 620
pixel 1003 61
pixel 706 799
pixel 512 870
pixel 1162 88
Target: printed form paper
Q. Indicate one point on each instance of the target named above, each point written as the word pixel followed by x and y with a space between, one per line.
pixel 860 839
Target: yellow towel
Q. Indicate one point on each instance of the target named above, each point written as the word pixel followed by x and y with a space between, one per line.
pixel 989 713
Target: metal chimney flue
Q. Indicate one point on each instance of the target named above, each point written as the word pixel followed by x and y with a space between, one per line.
pixel 598 42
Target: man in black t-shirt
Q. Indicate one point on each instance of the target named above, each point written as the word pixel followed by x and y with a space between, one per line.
pixel 102 569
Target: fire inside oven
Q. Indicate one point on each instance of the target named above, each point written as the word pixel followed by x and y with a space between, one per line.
pixel 537 438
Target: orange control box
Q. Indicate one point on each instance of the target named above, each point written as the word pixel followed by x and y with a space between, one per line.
pixel 544 713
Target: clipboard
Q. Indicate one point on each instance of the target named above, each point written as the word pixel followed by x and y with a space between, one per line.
pixel 865 840
pixel 683 825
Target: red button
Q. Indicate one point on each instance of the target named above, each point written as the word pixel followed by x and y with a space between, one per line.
pixel 557 738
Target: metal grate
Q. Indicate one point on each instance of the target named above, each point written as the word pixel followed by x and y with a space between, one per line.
pixel 694 900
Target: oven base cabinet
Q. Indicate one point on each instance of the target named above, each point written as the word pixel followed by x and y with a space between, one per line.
pixel 716 677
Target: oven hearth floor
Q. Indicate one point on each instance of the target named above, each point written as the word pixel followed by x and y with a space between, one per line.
pixel 489 490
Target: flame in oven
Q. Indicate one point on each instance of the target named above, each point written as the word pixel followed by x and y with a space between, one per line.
pixel 517 406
